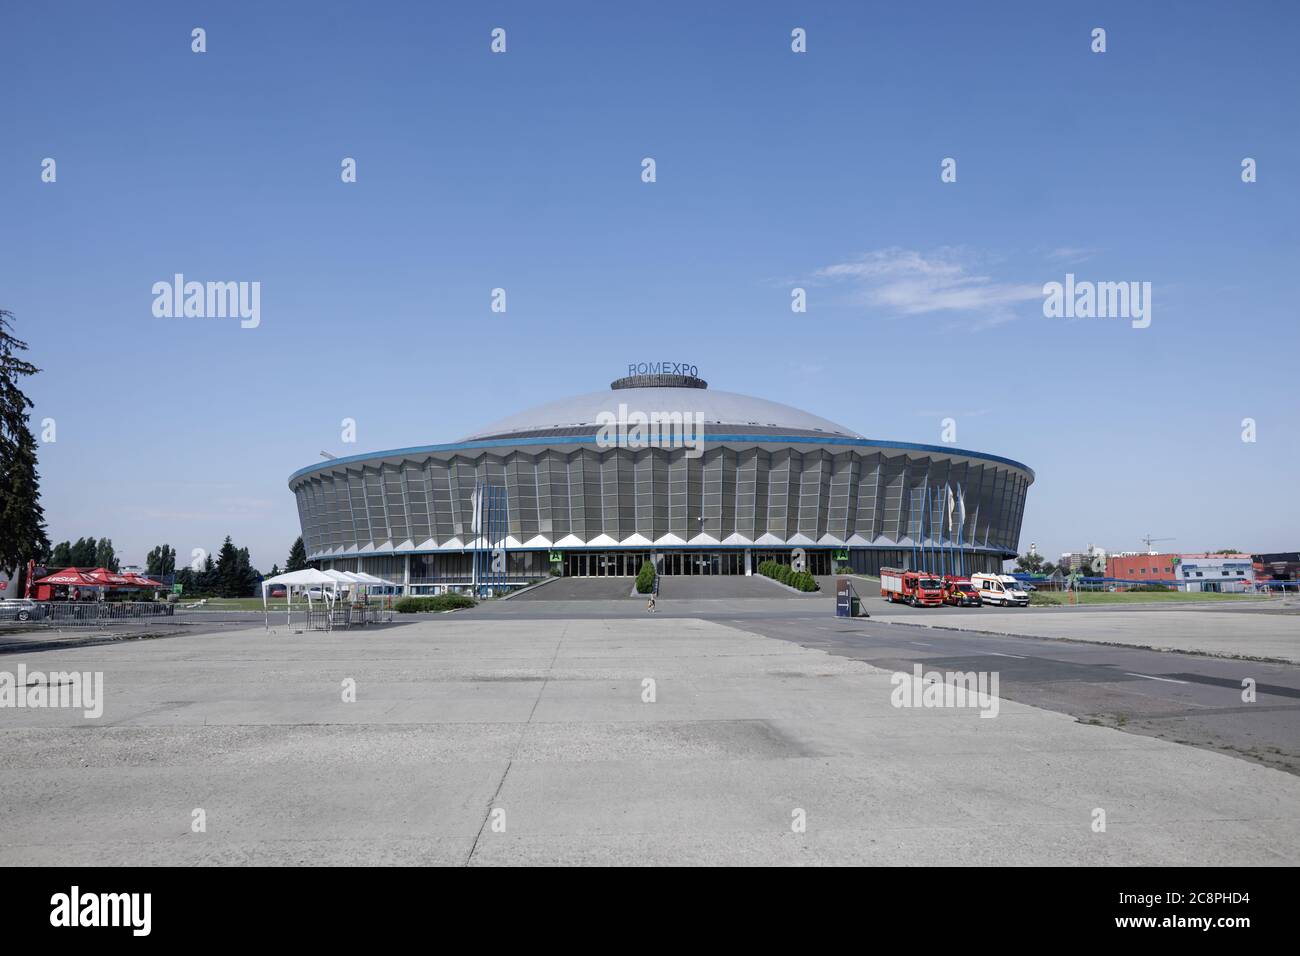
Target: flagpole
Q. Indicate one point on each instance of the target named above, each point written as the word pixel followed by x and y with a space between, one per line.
pixel 961 531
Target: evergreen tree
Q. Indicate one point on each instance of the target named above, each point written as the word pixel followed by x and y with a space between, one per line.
pixel 275 569
pixel 297 556
pixel 22 519
pixel 61 556
pixel 246 575
pixel 228 573
pixel 206 581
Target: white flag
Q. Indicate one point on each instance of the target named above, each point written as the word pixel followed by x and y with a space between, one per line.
pixel 951 502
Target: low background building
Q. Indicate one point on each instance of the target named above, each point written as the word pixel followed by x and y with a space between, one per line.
pixel 1215 572
pixel 1089 563
pixel 1144 568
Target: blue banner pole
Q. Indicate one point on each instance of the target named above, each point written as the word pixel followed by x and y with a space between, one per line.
pixel 927 530
pixel 916 534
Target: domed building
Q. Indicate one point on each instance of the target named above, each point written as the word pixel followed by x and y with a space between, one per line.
pixel 658 467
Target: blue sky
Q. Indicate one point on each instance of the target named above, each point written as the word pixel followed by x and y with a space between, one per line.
pixel 775 170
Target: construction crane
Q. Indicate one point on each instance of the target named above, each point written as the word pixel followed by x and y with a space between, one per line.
pixel 1148 539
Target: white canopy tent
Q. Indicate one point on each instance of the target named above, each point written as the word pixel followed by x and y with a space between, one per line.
pixel 306 579
pixel 348 579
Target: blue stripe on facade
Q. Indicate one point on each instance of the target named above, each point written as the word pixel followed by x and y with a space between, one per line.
pixel 591 440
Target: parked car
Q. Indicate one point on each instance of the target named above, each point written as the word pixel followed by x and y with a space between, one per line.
pixel 20 609
pixel 1000 589
pixel 276 591
pixel 959 592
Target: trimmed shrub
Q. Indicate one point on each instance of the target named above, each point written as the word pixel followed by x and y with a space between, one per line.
pixel 799 580
pixel 438 602
pixel 645 578
pixel 804 581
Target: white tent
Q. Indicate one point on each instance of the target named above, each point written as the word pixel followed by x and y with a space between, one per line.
pixel 349 579
pixel 344 578
pixel 306 578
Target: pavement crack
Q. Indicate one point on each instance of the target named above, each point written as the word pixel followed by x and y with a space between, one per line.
pixel 487 814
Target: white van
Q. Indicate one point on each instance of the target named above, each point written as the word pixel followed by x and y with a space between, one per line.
pixel 1000 589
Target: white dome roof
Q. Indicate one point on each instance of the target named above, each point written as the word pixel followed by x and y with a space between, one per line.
pixel 718 408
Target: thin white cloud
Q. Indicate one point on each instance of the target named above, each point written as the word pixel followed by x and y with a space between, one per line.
pixel 909 282
pixel 1071 254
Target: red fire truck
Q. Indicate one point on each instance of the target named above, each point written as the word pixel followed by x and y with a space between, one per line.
pixel 917 588
pixel 959 592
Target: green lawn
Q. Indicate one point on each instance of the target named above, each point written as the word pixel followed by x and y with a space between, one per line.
pixel 1135 597
pixel 244 604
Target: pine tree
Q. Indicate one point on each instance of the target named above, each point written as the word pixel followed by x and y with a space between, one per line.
pixel 22 519
pixel 207 581
pixel 246 575
pixel 22 525
pixel 228 573
pixel 297 556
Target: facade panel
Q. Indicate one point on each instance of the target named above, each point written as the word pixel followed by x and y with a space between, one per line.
pixel 729 495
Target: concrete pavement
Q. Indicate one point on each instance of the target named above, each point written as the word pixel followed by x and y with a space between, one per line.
pixel 1215 631
pixel 544 719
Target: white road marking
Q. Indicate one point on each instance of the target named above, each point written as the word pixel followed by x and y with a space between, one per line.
pixel 920 644
pixel 996 654
pixel 1167 680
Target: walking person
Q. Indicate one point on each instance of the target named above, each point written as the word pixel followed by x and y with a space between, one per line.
pixel 650 604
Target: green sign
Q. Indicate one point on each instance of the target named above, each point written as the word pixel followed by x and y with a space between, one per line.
pixel 177 588
pixel 842 554
pixel 557 557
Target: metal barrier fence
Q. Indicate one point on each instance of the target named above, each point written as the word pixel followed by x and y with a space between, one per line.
pixel 349 615
pixel 90 613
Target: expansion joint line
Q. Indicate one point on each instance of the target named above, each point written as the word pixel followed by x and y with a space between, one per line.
pixel 487 814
